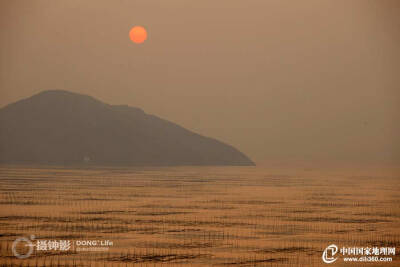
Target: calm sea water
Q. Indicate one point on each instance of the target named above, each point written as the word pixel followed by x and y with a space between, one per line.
pixel 196 215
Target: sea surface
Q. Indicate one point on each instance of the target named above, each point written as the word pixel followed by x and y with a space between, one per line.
pixel 195 216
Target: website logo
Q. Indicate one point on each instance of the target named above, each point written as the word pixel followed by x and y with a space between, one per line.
pixel 328 256
pixel 358 254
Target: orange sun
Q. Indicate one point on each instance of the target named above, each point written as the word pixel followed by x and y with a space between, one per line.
pixel 138 34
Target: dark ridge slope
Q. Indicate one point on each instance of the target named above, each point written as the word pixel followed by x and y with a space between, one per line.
pixel 60 127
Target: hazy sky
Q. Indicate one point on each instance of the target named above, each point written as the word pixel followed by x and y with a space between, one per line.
pixel 279 80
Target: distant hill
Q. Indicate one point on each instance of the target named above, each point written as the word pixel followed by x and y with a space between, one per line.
pixel 61 127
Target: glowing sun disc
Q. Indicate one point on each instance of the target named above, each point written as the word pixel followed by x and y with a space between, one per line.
pixel 138 34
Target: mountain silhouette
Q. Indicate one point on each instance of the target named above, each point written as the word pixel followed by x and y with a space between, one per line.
pixel 61 127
